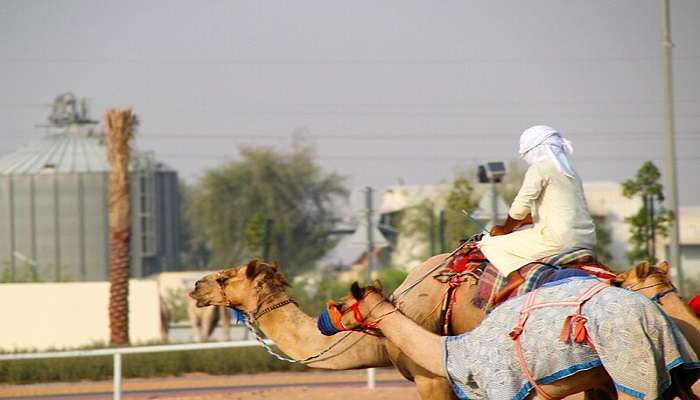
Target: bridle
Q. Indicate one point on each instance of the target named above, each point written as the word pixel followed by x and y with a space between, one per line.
pixel 362 323
pixel 250 319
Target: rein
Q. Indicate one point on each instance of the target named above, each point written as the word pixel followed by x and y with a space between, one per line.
pixel 656 297
pixel 398 295
pixel 363 324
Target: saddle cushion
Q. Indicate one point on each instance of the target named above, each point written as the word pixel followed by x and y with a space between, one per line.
pixel 471 265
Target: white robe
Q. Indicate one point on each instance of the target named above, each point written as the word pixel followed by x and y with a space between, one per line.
pixel 560 215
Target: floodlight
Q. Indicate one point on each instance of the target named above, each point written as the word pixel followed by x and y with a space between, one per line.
pixel 492 172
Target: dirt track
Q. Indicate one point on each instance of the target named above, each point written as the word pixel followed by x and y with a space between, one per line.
pixel 308 385
pixel 336 385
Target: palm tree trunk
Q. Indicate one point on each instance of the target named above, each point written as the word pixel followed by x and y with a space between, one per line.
pixel 119 124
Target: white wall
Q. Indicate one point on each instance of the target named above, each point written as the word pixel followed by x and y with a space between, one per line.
pixel 71 314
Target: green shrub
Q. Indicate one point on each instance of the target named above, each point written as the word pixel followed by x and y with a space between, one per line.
pixel 215 362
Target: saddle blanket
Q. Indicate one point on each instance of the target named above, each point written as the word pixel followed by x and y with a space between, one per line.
pixel 472 263
pixel 634 339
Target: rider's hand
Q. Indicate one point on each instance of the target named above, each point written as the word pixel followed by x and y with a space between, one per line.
pixel 498 230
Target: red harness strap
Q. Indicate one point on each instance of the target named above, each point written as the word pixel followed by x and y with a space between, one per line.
pixel 580 334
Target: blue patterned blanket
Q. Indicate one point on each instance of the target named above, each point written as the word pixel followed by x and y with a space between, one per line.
pixel 635 341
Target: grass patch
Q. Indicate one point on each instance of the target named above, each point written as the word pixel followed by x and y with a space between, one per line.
pixel 215 362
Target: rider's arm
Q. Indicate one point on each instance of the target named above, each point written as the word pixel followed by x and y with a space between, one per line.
pixel 532 187
pixel 520 211
pixel 510 225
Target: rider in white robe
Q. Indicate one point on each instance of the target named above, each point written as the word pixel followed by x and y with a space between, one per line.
pixel 552 194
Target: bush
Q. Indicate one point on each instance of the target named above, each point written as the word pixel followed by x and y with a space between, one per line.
pixel 215 362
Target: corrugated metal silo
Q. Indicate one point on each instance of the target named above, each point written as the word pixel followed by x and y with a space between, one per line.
pixel 53 206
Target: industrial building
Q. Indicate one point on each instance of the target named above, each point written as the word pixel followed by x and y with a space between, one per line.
pixel 54 211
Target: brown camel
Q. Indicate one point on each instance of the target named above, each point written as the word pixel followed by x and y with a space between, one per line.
pixel 373 311
pixel 417 297
pixel 654 283
pixel 254 287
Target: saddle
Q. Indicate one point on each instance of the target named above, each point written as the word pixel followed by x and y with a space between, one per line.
pixel 469 265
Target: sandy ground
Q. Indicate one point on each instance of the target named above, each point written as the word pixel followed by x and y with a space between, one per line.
pixel 315 385
pixel 390 385
pixel 310 393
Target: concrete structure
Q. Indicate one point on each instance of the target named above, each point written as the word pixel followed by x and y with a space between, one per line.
pixel 41 316
pixel 53 206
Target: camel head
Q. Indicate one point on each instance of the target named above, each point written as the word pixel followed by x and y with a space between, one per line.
pixel 354 311
pixel 648 280
pixel 242 287
pixel 208 292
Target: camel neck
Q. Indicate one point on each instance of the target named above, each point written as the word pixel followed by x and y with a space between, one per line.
pixel 272 302
pixel 684 318
pixel 296 334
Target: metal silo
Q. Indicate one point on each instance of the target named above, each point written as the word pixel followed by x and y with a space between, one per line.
pixel 53 205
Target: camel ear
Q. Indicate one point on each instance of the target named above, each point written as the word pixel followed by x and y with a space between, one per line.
pixel 621 277
pixel 356 291
pixel 276 266
pixel 642 270
pixel 663 267
pixel 251 269
pixel 377 285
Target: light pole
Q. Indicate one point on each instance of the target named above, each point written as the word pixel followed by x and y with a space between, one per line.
pixel 671 180
pixel 493 173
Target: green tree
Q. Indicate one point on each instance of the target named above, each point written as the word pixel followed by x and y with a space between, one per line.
pixel 194 253
pixel 228 204
pixel 457 226
pixel 652 218
pixel 603 240
pixel 423 220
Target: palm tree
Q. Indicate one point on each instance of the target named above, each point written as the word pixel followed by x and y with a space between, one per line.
pixel 119 125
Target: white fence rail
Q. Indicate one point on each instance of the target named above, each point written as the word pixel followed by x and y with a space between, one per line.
pixel 116 353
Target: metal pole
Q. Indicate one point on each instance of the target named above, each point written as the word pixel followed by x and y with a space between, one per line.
pixel 443 244
pixel 371 375
pixel 431 222
pixel 671 181
pixel 117 373
pixel 370 239
pixel 653 227
pixel 494 204
pixel 266 239
pixel 647 226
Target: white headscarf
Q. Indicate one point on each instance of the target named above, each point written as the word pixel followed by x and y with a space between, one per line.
pixel 542 142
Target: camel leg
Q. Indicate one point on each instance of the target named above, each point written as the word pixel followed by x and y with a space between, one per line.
pixel 209 319
pixel 433 388
pixel 607 392
pixel 225 323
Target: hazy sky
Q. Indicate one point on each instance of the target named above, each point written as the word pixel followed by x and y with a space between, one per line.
pixel 386 90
